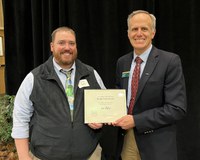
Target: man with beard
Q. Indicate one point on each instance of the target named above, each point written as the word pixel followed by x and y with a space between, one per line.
pixel 48 120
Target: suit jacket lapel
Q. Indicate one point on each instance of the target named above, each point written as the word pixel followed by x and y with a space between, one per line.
pixel 127 67
pixel 148 70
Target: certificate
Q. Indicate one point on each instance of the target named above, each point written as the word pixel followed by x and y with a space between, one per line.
pixel 104 105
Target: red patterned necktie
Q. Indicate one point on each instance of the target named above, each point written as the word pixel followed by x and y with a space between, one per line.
pixel 134 83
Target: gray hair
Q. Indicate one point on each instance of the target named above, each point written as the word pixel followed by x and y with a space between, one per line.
pixel 67 29
pixel 153 18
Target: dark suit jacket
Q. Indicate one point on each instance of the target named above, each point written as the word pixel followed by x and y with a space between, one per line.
pixel 160 102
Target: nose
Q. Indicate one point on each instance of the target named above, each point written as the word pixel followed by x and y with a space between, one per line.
pixel 66 46
pixel 139 32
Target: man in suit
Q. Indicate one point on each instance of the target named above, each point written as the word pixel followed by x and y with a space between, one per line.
pixel 150 127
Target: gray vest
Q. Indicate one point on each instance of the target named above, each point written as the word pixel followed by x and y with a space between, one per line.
pixel 52 134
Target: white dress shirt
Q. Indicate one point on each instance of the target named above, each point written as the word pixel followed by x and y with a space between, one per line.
pixel 144 56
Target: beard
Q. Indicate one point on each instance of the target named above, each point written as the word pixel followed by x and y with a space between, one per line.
pixel 65 59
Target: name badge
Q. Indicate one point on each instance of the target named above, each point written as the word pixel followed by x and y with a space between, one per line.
pixel 125 74
pixel 83 83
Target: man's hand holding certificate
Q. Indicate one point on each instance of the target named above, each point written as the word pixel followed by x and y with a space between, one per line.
pixel 104 106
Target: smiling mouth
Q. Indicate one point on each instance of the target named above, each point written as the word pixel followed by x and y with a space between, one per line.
pixel 139 39
pixel 66 53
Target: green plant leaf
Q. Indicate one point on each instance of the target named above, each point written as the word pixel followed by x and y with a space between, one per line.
pixel 6 110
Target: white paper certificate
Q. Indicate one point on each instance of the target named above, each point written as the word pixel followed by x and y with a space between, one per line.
pixel 104 105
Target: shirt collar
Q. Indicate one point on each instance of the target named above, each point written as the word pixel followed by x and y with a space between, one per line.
pixel 58 68
pixel 144 55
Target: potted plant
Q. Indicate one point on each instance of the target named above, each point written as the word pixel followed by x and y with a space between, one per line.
pixel 7 147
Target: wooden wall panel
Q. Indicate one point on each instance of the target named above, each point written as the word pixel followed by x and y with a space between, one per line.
pixel 2 56
pixel 1 16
